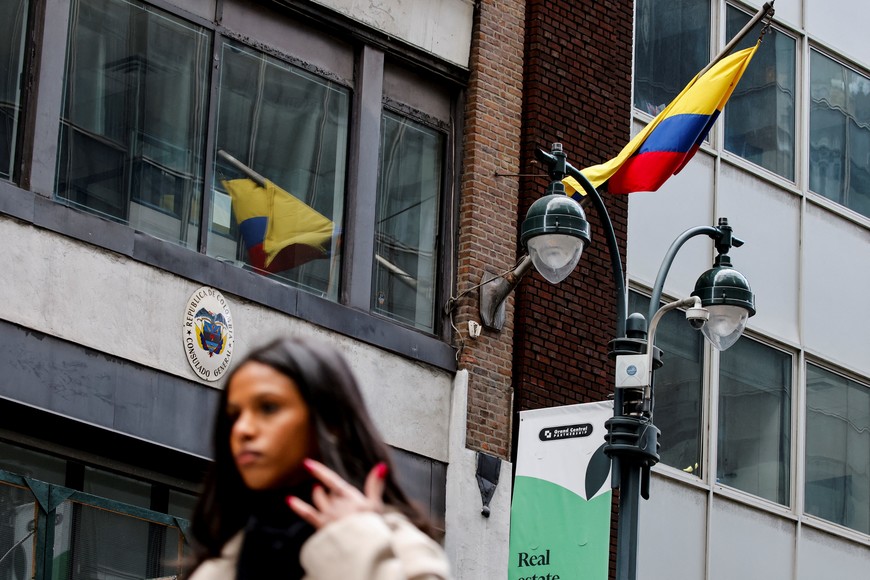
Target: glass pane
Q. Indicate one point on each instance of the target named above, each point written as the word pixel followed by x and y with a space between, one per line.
pixel 291 128
pixel 117 487
pixel 679 388
pixel 406 231
pixel 839 133
pixel 672 45
pixel 760 116
pixel 181 504
pixel 838 449
pixel 107 545
pixel 18 533
pixel 13 15
pixel 133 117
pixel 754 452
pixel 29 463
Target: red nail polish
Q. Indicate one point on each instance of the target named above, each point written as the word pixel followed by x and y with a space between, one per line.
pixel 289 499
pixel 308 464
pixel 381 470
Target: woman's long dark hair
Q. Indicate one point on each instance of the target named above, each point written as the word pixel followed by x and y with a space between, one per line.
pixel 347 440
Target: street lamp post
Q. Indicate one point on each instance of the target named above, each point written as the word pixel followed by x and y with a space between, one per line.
pixel 555 233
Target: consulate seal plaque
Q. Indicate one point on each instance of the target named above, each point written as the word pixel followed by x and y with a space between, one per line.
pixel 207 333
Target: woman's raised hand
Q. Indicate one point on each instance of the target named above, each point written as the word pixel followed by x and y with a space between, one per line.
pixel 336 498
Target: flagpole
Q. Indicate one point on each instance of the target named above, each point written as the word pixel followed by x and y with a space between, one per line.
pixel 256 177
pixel 762 13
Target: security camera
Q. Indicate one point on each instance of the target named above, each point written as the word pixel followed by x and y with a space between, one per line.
pixel 697 317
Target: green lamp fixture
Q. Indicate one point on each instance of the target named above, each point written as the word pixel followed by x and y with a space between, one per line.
pixel 726 294
pixel 555 232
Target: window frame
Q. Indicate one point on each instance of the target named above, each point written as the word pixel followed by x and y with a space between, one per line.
pixel 819 521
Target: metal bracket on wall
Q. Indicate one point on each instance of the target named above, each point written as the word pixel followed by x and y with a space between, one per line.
pixel 488 469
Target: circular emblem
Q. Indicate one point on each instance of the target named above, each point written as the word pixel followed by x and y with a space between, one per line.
pixel 631 370
pixel 207 332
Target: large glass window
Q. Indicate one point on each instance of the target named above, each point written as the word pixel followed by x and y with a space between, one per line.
pixel 672 44
pixel 837 449
pixel 839 133
pixel 754 451
pixel 678 388
pixel 132 130
pixel 406 227
pixel 760 116
pixel 291 129
pixel 117 527
pixel 13 15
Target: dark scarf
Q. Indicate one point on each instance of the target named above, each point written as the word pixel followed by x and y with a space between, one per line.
pixel 273 537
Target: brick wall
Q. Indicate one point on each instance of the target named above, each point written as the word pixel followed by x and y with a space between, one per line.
pixel 577 92
pixel 488 212
pixel 541 72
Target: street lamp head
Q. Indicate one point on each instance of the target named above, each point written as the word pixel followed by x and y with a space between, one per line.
pixel 725 292
pixel 555 232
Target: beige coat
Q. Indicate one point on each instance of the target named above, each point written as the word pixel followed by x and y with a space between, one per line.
pixel 364 546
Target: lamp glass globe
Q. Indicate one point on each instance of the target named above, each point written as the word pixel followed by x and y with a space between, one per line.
pixel 725 326
pixel 555 255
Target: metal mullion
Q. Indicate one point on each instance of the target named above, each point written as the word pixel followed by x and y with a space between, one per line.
pixel 363 168
pixel 45 102
pixel 211 130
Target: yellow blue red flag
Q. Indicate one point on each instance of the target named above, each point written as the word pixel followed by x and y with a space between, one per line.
pixel 671 139
pixel 280 231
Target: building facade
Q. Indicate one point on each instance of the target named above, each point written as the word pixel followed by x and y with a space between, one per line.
pixel 765 446
pixel 408 132
pixel 139 142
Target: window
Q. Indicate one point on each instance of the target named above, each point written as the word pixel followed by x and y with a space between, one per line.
pixel 265 152
pixel 132 130
pixel 291 128
pixel 760 116
pixel 118 527
pixel 679 388
pixel 839 133
pixel 406 231
pixel 837 449
pixel 754 447
pixel 13 15
pixel 672 43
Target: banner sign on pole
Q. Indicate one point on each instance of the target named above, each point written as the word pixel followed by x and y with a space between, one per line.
pixel 560 514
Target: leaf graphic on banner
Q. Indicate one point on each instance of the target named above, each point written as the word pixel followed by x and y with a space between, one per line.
pixel 597 472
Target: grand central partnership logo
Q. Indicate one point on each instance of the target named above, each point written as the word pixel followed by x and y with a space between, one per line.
pixel 565 432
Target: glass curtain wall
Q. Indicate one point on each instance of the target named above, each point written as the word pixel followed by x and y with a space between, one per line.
pixel 839 133
pixel 672 43
pixel 406 226
pixel 760 115
pixel 837 470
pixel 13 15
pixel 132 127
pixel 679 388
pixel 755 391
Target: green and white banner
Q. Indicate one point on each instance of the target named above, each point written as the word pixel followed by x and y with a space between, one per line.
pixel 560 515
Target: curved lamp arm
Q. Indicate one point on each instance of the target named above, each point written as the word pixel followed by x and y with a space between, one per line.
pixel 722 238
pixel 609 235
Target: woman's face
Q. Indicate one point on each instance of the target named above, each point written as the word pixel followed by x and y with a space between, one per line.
pixel 271 432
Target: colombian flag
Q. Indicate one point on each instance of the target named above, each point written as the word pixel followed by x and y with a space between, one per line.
pixel 279 231
pixel 673 137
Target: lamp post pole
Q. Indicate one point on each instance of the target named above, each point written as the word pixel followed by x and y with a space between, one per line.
pixel 632 438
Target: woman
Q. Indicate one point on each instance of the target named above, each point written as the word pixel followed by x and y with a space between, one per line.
pixel 301 486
